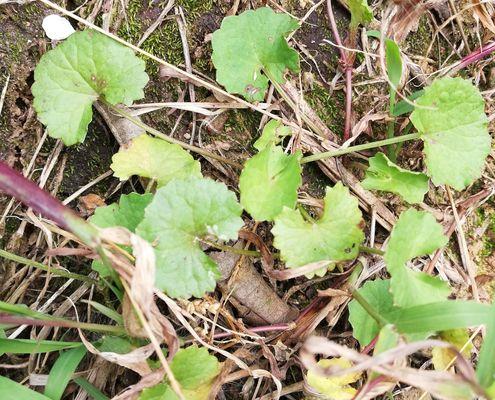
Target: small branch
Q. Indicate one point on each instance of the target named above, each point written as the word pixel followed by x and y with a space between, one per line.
pixel 360 147
pixel 473 57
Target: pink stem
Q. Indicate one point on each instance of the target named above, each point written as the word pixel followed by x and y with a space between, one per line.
pixel 475 56
pixel 347 66
pixel 268 328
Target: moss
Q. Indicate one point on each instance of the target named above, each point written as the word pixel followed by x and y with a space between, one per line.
pixel 328 106
pixel 419 41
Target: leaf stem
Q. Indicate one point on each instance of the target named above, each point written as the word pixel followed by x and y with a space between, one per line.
pixel 371 250
pixel 369 309
pixel 157 133
pixel 54 271
pixel 359 147
pixel 230 249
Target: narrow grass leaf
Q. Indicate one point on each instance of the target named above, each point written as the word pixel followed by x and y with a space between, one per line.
pixel 93 392
pixel 11 390
pixel 62 371
pixel 29 346
pixel 486 363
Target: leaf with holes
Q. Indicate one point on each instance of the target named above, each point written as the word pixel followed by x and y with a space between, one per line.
pixel 269 182
pixel 155 159
pixel 250 48
pixel 415 234
pixel 451 119
pixel 383 174
pixel 335 237
pixel 181 214
pixel 71 77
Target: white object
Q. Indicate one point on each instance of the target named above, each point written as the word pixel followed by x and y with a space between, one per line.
pixel 57 27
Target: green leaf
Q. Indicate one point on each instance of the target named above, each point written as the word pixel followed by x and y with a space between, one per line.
pixel 393 61
pixel 269 182
pixel 194 366
pixel 10 390
pixel 383 174
pixel 62 371
pixel 335 237
pixel 403 107
pixel 440 316
pixel 361 13
pixel 273 132
pixel 250 46
pixel 486 362
pixel 455 134
pixel 30 346
pixel 106 311
pixel 181 213
pixel 93 392
pixel 416 233
pixel 127 213
pixel 70 78
pixel 377 294
pixel 334 387
pixel 156 159
pixel 114 344
pixel 388 338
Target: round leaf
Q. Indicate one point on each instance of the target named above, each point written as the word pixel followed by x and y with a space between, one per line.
pixel 269 182
pixel 335 237
pixel 69 78
pixel 156 159
pixel 249 43
pixel 455 135
pixel 181 213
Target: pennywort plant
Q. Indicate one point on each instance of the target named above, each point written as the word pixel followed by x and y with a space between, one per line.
pixel 188 211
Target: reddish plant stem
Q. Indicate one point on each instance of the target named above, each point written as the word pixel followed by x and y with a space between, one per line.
pixel 346 63
pixel 16 185
pixel 370 346
pixel 256 329
pixel 475 56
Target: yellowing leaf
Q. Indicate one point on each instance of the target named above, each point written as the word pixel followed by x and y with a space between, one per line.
pixel 442 357
pixel 333 387
pixel 156 159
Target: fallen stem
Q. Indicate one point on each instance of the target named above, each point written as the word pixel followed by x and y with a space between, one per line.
pixel 230 249
pixel 157 133
pixel 359 147
pixel 371 250
pixel 6 319
pixel 54 271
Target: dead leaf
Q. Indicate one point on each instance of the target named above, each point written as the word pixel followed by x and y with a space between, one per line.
pixel 88 203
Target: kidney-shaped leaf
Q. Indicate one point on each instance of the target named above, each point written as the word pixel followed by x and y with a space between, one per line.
pixel 273 132
pixel 69 78
pixel 249 43
pixel 335 237
pixel 181 213
pixel 361 12
pixel 383 174
pixel 156 159
pixel 455 134
pixel 416 233
pixel 269 182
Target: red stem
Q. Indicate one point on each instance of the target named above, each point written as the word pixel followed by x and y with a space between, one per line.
pixel 16 185
pixel 475 56
pixel 346 63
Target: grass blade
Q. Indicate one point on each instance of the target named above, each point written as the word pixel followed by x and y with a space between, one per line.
pixel 91 390
pixel 11 390
pixel 440 316
pixel 28 346
pixel 486 363
pixel 62 371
